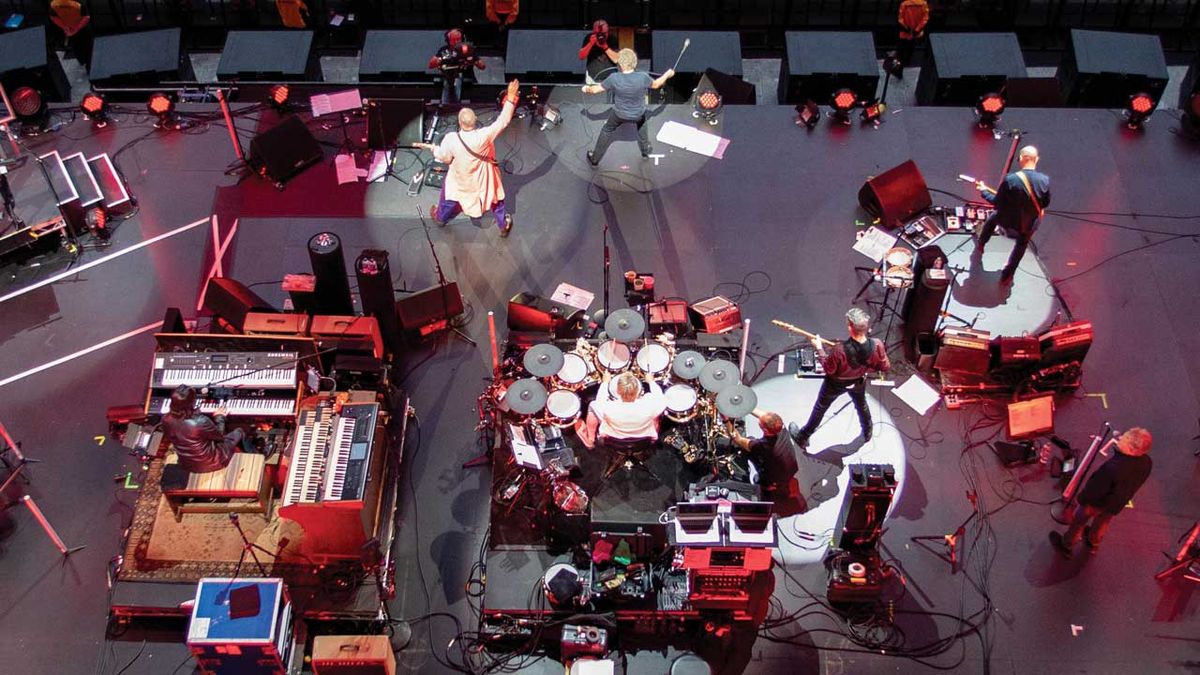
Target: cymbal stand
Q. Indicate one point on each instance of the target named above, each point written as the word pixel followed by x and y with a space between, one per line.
pixel 950 541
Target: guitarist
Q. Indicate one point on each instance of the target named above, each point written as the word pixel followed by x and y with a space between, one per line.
pixel 1020 203
pixel 846 366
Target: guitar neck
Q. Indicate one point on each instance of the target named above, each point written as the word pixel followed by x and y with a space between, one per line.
pixel 801 331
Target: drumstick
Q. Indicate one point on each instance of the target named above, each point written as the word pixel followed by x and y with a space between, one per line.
pixel 686 42
pixel 795 329
pixel 966 179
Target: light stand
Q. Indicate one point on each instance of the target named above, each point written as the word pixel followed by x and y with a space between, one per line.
pixel 14 472
pixel 950 541
pixel 607 265
pixel 437 264
pixel 248 547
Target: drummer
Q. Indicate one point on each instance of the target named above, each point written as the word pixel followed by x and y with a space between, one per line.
pixel 774 454
pixel 631 416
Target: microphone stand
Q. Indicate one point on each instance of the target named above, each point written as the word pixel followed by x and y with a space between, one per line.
pixel 437 264
pixel 248 547
pixel 607 265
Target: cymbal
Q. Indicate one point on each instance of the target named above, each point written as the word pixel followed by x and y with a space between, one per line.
pixel 718 375
pixel 544 360
pixel 736 401
pixel 526 396
pixel 688 364
pixel 624 325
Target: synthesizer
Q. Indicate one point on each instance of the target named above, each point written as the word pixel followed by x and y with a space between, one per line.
pixel 227 369
pixel 350 453
pixel 262 405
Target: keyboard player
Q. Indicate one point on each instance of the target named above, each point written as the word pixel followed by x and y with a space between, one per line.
pixel 200 441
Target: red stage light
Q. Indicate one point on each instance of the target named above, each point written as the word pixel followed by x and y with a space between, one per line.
pixel 91 103
pixel 1142 104
pixel 27 102
pixel 709 100
pixel 1194 105
pixel 992 104
pixel 844 99
pixel 279 94
pixel 160 104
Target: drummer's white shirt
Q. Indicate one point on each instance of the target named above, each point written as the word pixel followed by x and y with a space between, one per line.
pixel 630 419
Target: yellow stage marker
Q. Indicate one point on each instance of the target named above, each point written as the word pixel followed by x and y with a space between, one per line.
pixel 1103 399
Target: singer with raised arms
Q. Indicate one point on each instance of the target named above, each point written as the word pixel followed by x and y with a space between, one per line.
pixel 630 88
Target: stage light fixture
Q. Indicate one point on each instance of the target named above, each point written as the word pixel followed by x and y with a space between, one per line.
pixel 549 115
pixel 1191 117
pixel 1140 107
pixel 95 108
pixel 163 107
pixel 844 100
pixel 872 113
pixel 988 109
pixel 278 96
pixel 707 105
pixel 807 114
pixel 30 109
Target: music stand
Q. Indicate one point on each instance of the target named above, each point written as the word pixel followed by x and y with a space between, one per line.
pixel 338 102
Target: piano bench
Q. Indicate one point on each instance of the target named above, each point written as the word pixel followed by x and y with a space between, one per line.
pixel 245 485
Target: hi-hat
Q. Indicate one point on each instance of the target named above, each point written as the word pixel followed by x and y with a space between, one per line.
pixel 526 396
pixel 544 360
pixel 718 375
pixel 688 364
pixel 624 325
pixel 736 401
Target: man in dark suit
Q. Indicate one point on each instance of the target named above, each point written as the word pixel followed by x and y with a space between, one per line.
pixel 1020 202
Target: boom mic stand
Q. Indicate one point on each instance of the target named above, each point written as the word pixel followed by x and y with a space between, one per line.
pixel 16 471
pixel 437 264
pixel 950 541
pixel 248 547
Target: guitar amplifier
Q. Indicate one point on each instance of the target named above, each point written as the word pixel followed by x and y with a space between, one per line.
pixel 964 349
pixel 352 655
pixel 1066 343
pixel 1024 351
pixel 347 333
pixel 670 316
pixel 717 314
pixel 262 323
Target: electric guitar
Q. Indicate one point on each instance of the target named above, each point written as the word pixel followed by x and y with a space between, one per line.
pixel 796 329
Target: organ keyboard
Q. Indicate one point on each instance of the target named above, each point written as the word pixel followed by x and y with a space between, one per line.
pixel 226 369
pixel 257 406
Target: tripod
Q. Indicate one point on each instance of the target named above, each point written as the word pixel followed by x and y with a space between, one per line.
pixel 442 283
pixel 248 547
pixel 950 541
pixel 15 471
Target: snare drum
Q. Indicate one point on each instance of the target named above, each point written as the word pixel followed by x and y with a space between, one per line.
pixel 653 359
pixel 681 402
pixel 575 374
pixel 613 356
pixel 562 408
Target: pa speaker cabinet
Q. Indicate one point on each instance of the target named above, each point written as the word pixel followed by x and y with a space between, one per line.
pixel 285 150
pixel 896 195
pixel 865 505
pixel 26 60
pixel 961 67
pixel 142 59
pixel 819 63
pixel 733 90
pixel 425 310
pixel 399 55
pixel 352 655
pixel 1101 69
pixel 232 301
pixel 718 50
pixel 550 56
pixel 268 56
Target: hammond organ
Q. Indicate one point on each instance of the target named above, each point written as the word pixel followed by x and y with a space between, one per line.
pixel 335 479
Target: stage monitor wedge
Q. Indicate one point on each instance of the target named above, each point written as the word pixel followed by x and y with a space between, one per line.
pixel 268 56
pixel 1101 69
pixel 399 56
pixel 961 67
pixel 26 60
pixel 142 59
pixel 819 63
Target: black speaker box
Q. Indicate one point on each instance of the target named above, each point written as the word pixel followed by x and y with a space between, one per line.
pixel 399 55
pixel 173 321
pixel 1191 85
pixel 961 67
pixel 896 195
pixel 332 293
pixel 268 56
pixel 819 63
pixel 285 150
pixel 377 295
pixel 865 505
pixel 429 306
pixel 719 50
pixel 231 301
pixel 141 59
pixel 26 60
pixel 733 90
pixel 1102 69
pixel 549 56
pixel 394 122
pixel 923 304
pixel 529 312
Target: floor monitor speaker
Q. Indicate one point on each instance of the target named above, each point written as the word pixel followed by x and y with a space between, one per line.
pixel 232 301
pixel 283 151
pixel 896 195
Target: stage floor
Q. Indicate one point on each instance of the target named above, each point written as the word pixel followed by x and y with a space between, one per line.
pixel 770 225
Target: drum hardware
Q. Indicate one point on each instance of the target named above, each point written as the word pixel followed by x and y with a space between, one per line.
pixel 526 396
pixel 683 403
pixel 688 364
pixel 736 401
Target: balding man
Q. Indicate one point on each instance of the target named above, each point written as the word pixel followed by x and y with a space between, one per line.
pixel 473 182
pixel 1020 202
pixel 774 454
pixel 631 416
pixel 629 87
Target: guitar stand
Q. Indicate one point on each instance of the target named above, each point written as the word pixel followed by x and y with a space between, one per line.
pixel 950 541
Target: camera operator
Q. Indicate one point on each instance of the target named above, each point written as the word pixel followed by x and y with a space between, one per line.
pixel 454 60
pixel 600 51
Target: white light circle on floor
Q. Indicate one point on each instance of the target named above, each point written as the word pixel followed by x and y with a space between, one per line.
pixel 1026 306
pixel 793 399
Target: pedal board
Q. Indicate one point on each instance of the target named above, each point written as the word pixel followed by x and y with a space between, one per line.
pixel 435 175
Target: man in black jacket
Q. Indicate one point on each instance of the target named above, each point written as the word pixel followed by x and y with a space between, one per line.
pixel 1020 201
pixel 774 454
pixel 200 442
pixel 1107 491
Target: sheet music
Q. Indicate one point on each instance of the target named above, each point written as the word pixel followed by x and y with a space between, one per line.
pixel 690 138
pixel 917 394
pixel 347 169
pixel 324 104
pixel 875 243
pixel 573 296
